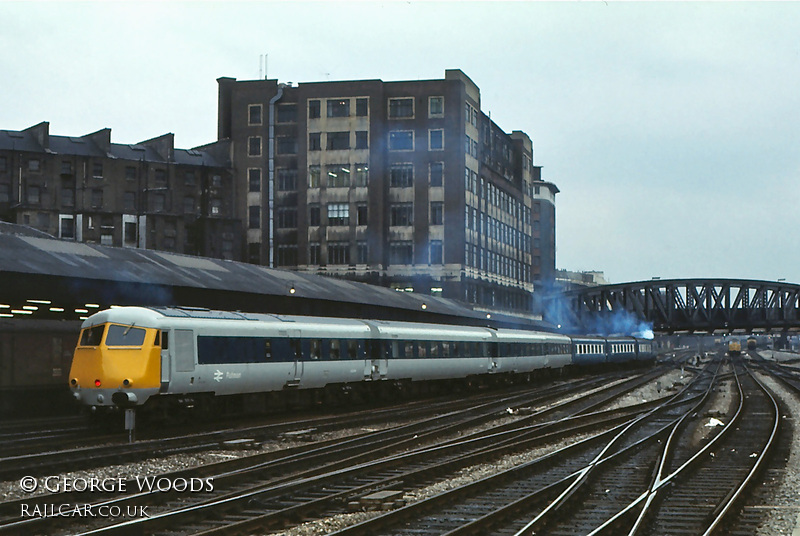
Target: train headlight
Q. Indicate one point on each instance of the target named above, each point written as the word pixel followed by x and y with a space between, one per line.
pixel 74 382
pixel 126 382
pixel 97 383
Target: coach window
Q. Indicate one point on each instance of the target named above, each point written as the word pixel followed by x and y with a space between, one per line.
pixel 315 348
pixel 435 349
pixel 352 349
pixel 423 349
pixel 408 349
pixel 335 345
pixel 446 349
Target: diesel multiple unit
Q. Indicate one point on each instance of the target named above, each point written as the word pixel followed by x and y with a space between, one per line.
pixel 131 356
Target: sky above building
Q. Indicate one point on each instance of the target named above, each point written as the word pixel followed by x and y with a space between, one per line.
pixel 671 129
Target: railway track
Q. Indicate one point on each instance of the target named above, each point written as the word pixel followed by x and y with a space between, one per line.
pixel 654 476
pixel 55 456
pixel 324 477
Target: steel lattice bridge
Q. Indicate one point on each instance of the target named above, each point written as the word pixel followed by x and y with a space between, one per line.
pixel 682 305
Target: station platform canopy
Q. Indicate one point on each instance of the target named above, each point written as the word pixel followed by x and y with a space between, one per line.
pixel 62 279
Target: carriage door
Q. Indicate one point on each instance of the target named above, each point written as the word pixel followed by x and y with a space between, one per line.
pixel 375 363
pixel 165 361
pixel 184 350
pixel 296 348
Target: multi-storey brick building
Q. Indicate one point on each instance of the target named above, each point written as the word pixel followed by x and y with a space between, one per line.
pixel 147 195
pixel 406 184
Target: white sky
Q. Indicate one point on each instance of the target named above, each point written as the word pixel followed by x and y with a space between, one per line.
pixel 671 129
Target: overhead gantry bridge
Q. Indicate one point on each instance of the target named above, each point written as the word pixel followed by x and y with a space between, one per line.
pixel 681 305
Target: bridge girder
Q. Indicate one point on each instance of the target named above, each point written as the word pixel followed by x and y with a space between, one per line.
pixel 683 305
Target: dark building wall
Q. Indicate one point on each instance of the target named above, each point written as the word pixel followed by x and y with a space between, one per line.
pixel 148 195
pixel 469 238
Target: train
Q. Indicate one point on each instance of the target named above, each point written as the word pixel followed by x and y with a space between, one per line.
pixel 132 357
pixel 734 348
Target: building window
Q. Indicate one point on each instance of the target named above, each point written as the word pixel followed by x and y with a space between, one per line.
pixel 287 218
pixel 254 253
pixel 34 165
pixel 66 226
pixel 362 139
pixel 286 145
pixel 34 195
pixel 401 252
pixel 362 253
pixel 287 255
pixel 68 197
pixel 129 233
pixel 401 108
pixel 401 214
pixel 437 213
pixel 436 140
pixel 338 141
pixel 188 205
pixel 361 214
pixel 401 140
pixel 254 179
pixel 97 170
pixel 216 207
pixel 254 114
pixel 338 176
pixel 129 201
pixel 159 202
pixel 313 109
pixel 436 252
pixel 161 176
pixel 66 167
pixel 287 180
pixel 362 174
pixel 436 173
pixel 435 106
pixel 313 176
pixel 338 107
pixel 401 175
pixel 287 113
pixel 313 216
pixel 313 253
pixel 254 217
pixel 97 198
pixel 338 253
pixel 5 193
pixel 314 143
pixel 254 146
pixel 189 179
pixel 338 214
pixel 362 107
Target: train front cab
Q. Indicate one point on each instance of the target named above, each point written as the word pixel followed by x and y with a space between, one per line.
pixel 116 365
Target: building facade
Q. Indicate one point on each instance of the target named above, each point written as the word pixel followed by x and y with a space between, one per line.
pixel 147 195
pixel 403 184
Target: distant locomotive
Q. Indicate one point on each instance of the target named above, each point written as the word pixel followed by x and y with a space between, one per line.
pixel 132 356
pixel 752 343
pixel 734 348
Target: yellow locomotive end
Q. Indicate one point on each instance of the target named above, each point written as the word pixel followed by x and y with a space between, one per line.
pixel 116 364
